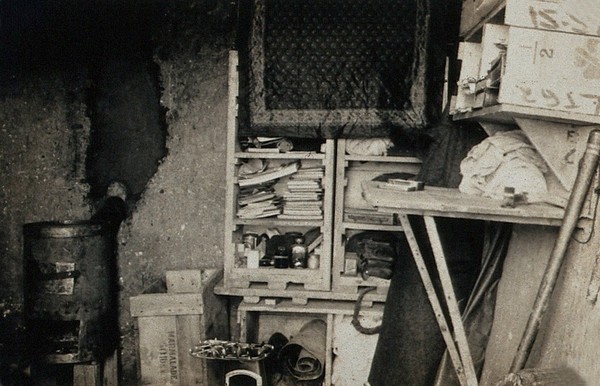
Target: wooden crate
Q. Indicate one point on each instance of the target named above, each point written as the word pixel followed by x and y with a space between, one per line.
pixel 552 71
pixel 476 59
pixel 351 172
pixel 546 75
pixel 259 321
pixel 170 324
pixel 238 275
pixel 574 16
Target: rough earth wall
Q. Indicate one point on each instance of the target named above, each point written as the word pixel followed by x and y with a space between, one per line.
pixel 44 132
pixel 178 223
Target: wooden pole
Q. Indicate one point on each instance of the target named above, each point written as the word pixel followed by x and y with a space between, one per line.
pixel 587 168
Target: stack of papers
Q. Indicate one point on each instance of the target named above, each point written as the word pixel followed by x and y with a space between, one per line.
pixel 303 198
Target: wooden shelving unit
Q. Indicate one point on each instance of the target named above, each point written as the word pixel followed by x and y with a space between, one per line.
pixel 259 321
pixel 351 171
pixel 238 275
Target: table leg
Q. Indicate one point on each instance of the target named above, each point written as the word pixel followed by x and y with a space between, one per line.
pixel 451 302
pixel 435 302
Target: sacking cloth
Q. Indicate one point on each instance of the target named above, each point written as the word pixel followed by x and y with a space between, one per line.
pixel 304 356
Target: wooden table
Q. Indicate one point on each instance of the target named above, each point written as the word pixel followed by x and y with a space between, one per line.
pixel 441 202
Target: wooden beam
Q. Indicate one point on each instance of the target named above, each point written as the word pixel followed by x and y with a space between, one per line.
pixel 434 300
pixel 451 302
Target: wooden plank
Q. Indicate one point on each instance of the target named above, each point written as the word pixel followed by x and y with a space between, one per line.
pixel 561 146
pixel 522 273
pixel 159 352
pixel 166 304
pixel 191 370
pixel 506 113
pixel 451 301
pixel 184 281
pixel 289 155
pixel 470 56
pixel 339 252
pixel 574 16
pixel 329 350
pixel 313 307
pixel 380 159
pixel 231 234
pixel 328 181
pixel 493 40
pixel 86 375
pixel 475 13
pixel 434 300
pixel 452 203
pixel 294 292
pixel 110 372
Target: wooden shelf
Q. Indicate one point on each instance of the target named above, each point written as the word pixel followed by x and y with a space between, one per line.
pixel 316 306
pixel 386 159
pixel 506 114
pixel 274 221
pixel 300 155
pixel 296 294
pixel 368 226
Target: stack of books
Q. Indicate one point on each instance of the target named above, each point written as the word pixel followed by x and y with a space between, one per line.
pixel 257 197
pixel 268 174
pixel 303 198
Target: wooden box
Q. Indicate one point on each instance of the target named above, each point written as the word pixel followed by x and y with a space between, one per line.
pixel 574 16
pixel 544 75
pixel 170 324
pixel 553 71
pixel 346 348
pixel 238 273
pixel 352 212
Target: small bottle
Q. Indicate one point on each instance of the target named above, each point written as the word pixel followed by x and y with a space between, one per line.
pixel 298 256
pixel 281 260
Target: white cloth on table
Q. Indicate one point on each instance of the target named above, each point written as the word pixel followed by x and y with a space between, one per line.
pixel 506 159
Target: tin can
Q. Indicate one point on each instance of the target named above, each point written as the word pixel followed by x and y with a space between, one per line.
pixel 250 240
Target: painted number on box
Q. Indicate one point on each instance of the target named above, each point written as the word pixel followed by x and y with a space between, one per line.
pixel 551 70
pixel 574 16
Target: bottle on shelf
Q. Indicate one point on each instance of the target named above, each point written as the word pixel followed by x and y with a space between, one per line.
pixel 298 255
